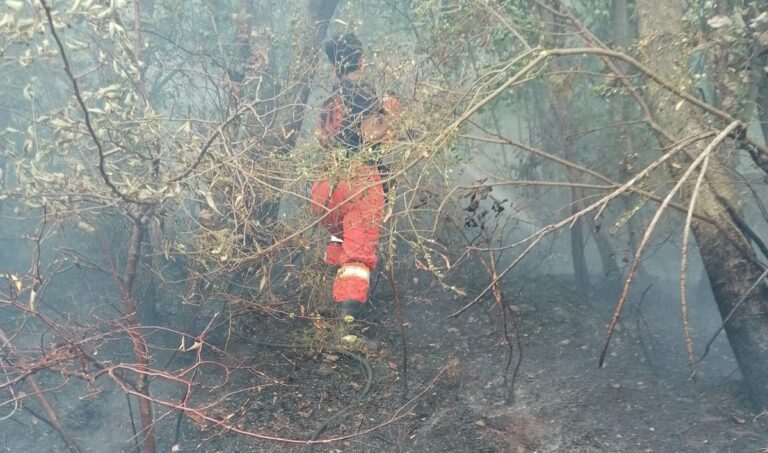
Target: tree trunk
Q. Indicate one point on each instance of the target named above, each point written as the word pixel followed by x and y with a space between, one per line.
pixel 728 257
pixel 620 109
pixel 580 269
pixel 762 109
pixel 125 283
pixel 562 110
pixel 605 249
pixel 140 351
pixel 3 161
pixel 305 61
pixel 620 19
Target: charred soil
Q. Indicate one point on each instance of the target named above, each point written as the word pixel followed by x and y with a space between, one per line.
pixel 460 393
pixel 459 378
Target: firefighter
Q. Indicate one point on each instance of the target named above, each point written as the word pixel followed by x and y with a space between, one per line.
pixel 352 120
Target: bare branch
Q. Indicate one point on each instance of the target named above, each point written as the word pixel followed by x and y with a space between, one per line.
pixel 86 115
pixel 646 237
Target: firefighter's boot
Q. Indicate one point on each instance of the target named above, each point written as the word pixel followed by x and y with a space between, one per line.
pixel 351 311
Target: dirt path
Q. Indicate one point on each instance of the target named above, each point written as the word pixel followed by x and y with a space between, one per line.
pixel 642 401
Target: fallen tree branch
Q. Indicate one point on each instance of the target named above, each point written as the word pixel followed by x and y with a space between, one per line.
pixel 651 226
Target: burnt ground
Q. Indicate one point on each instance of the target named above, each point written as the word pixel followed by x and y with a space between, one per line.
pixel 642 401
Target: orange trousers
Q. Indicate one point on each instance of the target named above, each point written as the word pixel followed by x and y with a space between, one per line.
pixel 353 210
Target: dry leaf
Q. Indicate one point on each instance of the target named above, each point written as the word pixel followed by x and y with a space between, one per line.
pixel 330 357
pixel 763 38
pixel 211 204
pixel 719 21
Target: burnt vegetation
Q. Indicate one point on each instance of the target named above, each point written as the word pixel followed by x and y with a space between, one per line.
pixel 574 233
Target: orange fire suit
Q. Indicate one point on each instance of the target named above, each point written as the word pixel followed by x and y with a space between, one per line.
pixel 352 207
pixel 354 210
